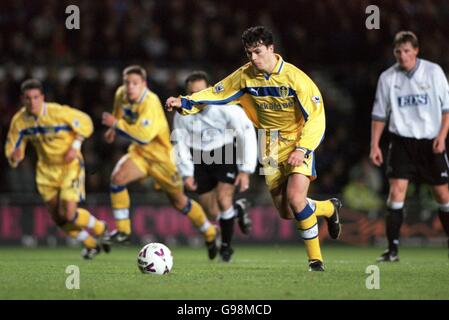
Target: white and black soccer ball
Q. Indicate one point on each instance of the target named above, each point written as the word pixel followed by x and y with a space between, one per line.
pixel 155 258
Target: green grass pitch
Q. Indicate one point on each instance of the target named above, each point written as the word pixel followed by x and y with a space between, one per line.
pixel 261 272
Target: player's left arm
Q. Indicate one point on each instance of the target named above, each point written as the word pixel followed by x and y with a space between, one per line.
pixel 442 87
pixel 312 109
pixel 222 93
pixel 81 124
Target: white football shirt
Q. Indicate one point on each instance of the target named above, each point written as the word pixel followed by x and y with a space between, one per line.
pixel 413 101
pixel 212 128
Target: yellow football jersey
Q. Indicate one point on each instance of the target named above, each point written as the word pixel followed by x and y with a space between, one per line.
pixel 286 100
pixel 51 133
pixel 145 124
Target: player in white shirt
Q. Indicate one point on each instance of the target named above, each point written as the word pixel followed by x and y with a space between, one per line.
pixel 211 165
pixel 413 96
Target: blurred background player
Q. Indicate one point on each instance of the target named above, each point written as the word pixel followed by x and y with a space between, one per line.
pixel 138 116
pixel 279 97
pixel 208 134
pixel 56 132
pixel 413 95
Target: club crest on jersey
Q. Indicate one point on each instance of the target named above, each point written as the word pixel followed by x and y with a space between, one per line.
pixel 218 88
pixel 283 91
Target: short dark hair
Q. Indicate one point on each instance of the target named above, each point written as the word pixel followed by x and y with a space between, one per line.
pixel 135 69
pixel 257 35
pixel 197 76
pixel 404 37
pixel 31 84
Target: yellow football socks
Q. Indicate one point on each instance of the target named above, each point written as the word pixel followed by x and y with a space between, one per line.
pixel 123 225
pixel 198 217
pixel 79 234
pixel 120 203
pixel 86 220
pixel 324 208
pixel 308 227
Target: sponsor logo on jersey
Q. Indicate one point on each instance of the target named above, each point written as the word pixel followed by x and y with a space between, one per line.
pixel 413 100
pixel 276 105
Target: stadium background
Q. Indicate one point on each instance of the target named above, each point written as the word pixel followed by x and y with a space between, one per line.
pixel 327 39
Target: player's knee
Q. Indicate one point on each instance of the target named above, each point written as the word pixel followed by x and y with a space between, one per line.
pixel 442 196
pixel 58 219
pixel 295 201
pixel 67 213
pixel 224 202
pixel 179 201
pixel 118 179
pixel 397 193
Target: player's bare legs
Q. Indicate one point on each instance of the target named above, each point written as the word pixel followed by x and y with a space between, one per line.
pixel 74 221
pixel 53 209
pixel 125 172
pixel 225 201
pixel 394 218
pixel 208 201
pixel 441 194
pixel 279 197
pixel 219 203
pixel 290 198
pixel 197 216
pixel 296 193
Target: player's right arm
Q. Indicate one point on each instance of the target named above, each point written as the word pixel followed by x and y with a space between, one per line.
pixel 377 127
pixel 117 113
pixel 379 116
pixel 224 92
pixel 184 161
pixel 15 144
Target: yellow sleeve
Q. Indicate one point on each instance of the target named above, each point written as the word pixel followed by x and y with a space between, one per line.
pixel 147 125
pixel 77 120
pixel 224 92
pixel 312 108
pixel 15 139
pixel 116 110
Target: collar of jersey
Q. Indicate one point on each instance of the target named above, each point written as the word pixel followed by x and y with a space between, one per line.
pixel 42 113
pixel 139 101
pixel 410 73
pixel 277 68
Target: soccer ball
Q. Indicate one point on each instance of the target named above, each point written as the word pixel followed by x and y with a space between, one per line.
pixel 155 258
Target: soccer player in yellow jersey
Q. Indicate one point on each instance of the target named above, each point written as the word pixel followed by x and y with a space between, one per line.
pixel 139 116
pixel 284 101
pixel 56 132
